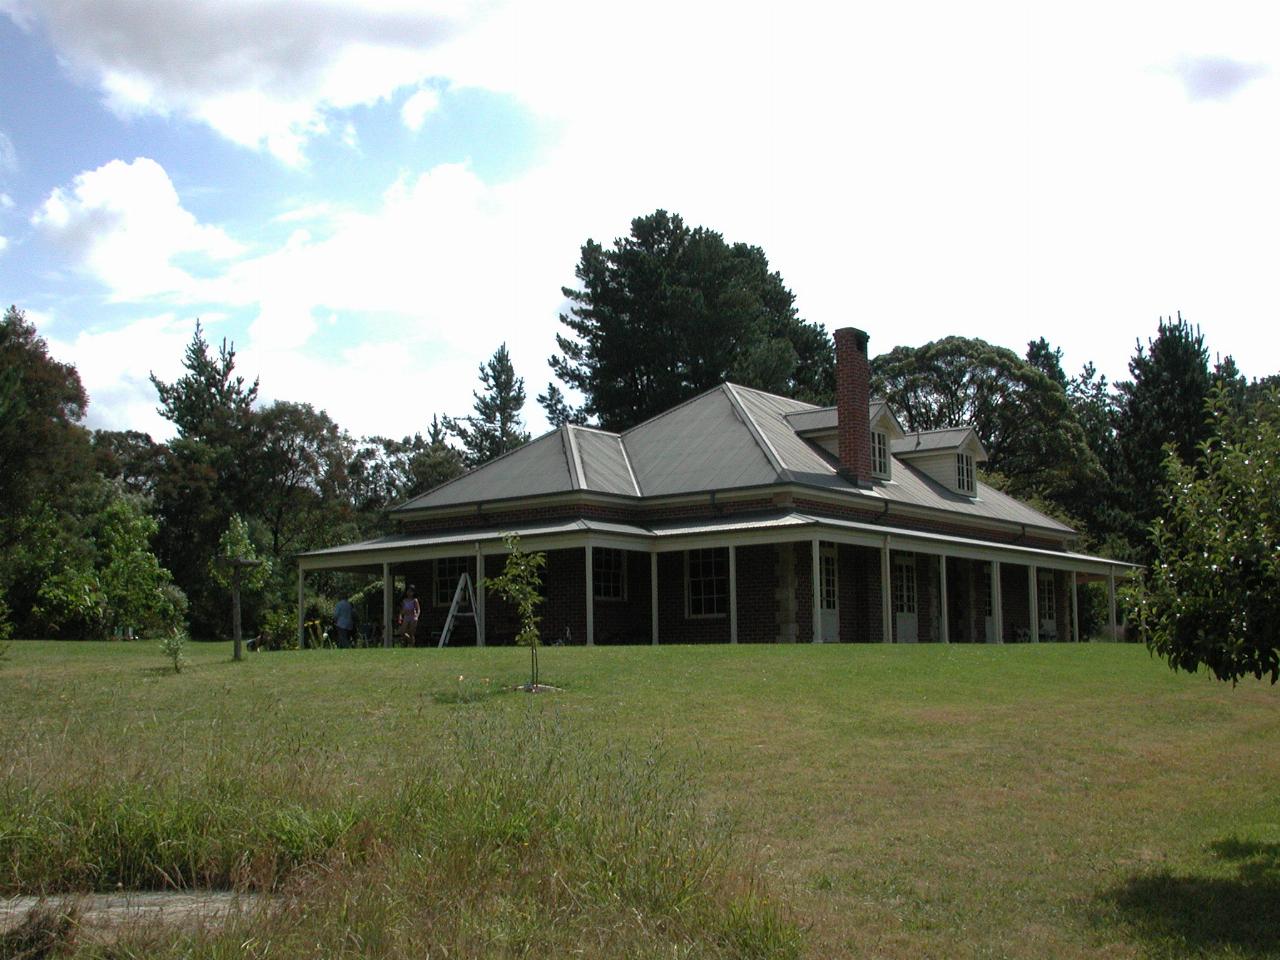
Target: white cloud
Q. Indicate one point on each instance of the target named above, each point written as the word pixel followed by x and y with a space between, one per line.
pixel 263 74
pixel 125 225
pixel 114 366
pixel 1216 78
pixel 4 243
pixel 6 202
pixel 415 109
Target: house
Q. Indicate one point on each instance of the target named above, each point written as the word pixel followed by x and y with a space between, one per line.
pixel 740 516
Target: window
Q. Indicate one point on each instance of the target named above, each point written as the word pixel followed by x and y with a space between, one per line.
pixel 880 454
pixel 608 574
pixel 827 566
pixel 904 584
pixel 707 582
pixel 985 588
pixel 964 473
pixel 1045 597
pixel 448 570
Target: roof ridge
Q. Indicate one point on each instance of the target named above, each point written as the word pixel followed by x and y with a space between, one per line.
pixel 626 458
pixel 577 476
pixel 754 429
pixel 779 396
pixel 683 403
pixel 915 433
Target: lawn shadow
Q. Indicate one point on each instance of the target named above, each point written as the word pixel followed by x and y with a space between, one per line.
pixel 1204 914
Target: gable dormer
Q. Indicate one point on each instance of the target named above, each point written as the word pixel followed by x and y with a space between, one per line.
pixel 885 432
pixel 949 456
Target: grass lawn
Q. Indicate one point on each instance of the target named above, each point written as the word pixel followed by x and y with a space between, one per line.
pixel 888 801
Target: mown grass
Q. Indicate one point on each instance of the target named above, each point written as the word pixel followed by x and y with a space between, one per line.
pixel 1025 801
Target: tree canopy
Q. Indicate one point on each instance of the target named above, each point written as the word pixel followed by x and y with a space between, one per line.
pixel 1211 596
pixel 497 425
pixel 1020 414
pixel 670 311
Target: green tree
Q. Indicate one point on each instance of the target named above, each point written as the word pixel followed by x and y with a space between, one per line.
pixel 557 407
pixel 1164 403
pixel 669 312
pixel 497 426
pixel 520 584
pixel 1048 360
pixel 1211 596
pixel 43 448
pixel 209 472
pixel 129 456
pixel 1021 416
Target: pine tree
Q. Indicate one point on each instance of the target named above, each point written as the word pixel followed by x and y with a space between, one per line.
pixel 496 427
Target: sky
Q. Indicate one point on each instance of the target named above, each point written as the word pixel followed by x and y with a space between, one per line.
pixel 369 196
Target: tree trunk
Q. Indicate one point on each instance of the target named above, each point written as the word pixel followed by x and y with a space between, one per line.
pixel 235 614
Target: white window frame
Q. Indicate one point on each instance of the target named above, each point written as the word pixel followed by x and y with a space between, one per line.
pixel 904 592
pixel 458 566
pixel 603 577
pixel 966 481
pixel 881 465
pixel 1046 596
pixel 712 554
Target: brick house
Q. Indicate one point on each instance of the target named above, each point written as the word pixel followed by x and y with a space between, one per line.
pixel 707 524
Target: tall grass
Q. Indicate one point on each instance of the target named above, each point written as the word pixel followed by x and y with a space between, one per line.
pixel 521 835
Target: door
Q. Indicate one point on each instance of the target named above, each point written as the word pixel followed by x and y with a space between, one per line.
pixel 1045 605
pixel 829 593
pixel 905 619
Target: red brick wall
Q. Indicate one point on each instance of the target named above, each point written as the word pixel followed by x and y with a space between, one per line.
pixel 858 569
pixel 853 400
pixel 757 603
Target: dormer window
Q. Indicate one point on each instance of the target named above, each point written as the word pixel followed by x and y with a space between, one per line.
pixel 964 474
pixel 880 454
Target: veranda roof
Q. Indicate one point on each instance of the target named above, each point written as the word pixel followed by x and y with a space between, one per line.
pixel 745 530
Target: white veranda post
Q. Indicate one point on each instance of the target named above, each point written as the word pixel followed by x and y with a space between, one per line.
pixel 944 627
pixel 1033 602
pixel 591 600
pixel 387 600
pixel 815 576
pixel 733 594
pixel 1075 606
pixel 886 600
pixel 1111 602
pixel 653 596
pixel 997 603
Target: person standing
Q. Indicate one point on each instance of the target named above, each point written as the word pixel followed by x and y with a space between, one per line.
pixel 344 619
pixel 410 612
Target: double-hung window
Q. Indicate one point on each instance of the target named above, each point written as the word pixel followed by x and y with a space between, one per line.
pixel 880 454
pixel 965 481
pixel 707 582
pixel 608 574
pixel 445 582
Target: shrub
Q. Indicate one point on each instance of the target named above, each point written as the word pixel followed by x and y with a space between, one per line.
pixel 278 631
pixel 172 645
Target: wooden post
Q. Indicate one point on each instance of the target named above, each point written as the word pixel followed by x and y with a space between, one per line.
pixel 653 596
pixel 1111 602
pixel 733 594
pixel 591 600
pixel 302 610
pixel 235 614
pixel 815 575
pixel 886 595
pixel 997 602
pixel 387 602
pixel 1075 607
pixel 944 625
pixel 1033 601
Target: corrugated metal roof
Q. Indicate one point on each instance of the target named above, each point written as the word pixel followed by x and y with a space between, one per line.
pixel 702 444
pixel 540 466
pixel 604 461
pixel 439 538
pixel 727 438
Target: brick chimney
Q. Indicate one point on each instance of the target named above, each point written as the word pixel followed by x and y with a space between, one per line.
pixel 853 405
